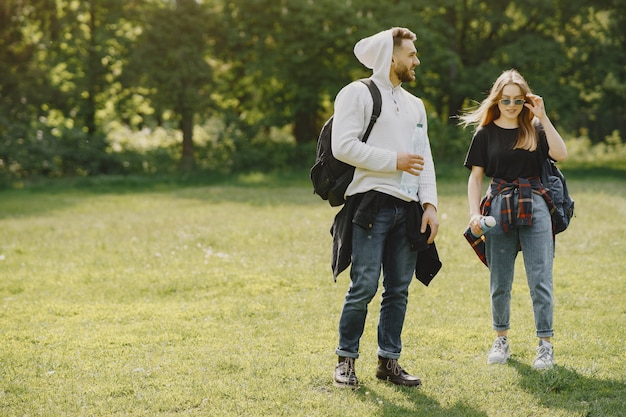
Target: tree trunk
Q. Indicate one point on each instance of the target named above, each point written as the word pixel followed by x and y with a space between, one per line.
pixel 186 125
pixel 92 72
pixel 455 109
pixel 305 128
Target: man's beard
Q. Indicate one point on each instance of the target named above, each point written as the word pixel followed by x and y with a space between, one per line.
pixel 405 75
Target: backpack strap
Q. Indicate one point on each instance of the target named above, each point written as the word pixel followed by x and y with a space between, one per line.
pixel 378 102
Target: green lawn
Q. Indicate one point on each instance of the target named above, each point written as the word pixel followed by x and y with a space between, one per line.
pixel 218 300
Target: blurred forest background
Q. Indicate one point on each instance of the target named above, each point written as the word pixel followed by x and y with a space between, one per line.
pixel 92 87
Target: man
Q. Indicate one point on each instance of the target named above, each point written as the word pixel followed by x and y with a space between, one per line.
pixel 381 216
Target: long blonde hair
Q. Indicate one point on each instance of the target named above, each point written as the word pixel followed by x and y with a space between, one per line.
pixel 488 110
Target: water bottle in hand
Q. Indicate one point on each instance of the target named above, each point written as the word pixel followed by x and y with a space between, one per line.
pixel 409 183
pixel 486 223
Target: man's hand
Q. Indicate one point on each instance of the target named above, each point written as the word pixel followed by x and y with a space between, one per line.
pixel 410 162
pixel 430 218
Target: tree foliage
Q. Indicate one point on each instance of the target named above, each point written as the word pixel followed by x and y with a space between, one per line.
pixel 169 63
pixel 71 69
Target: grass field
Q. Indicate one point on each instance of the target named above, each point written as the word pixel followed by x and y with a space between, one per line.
pixel 217 300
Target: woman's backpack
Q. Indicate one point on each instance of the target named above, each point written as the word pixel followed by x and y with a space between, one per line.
pixel 554 181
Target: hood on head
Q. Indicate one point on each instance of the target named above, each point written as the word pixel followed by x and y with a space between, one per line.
pixel 375 53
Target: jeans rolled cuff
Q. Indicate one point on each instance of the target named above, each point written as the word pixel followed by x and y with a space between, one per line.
pixel 346 354
pixel 388 355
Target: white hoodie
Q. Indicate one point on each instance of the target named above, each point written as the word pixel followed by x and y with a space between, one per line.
pixel 376 160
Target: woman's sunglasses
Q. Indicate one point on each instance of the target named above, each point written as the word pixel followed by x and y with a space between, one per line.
pixel 507 101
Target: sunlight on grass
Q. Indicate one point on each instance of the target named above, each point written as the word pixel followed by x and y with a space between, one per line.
pixel 219 300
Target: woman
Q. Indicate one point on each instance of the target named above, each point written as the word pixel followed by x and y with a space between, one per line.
pixel 513 138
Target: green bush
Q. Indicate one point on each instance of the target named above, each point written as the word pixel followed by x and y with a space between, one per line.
pixel 44 152
pixel 449 143
pixel 222 149
pixel 611 152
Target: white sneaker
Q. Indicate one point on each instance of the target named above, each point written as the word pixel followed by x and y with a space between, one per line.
pixel 545 356
pixel 499 352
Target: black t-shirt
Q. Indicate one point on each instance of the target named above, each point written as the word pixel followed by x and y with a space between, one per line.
pixel 492 149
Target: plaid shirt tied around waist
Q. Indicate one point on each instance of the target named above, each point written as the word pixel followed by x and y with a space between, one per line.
pixel 511 215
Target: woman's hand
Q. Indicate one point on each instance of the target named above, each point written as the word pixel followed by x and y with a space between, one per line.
pixel 474 224
pixel 558 150
pixel 535 104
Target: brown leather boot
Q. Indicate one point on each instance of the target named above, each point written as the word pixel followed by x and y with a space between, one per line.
pixel 345 377
pixel 389 369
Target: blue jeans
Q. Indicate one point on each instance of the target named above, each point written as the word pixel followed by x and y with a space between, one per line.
pixel 384 246
pixel 538 249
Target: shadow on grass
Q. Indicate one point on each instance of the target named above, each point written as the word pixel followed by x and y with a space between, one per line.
pixel 422 405
pixel 594 172
pixel 257 189
pixel 45 195
pixel 121 184
pixel 566 389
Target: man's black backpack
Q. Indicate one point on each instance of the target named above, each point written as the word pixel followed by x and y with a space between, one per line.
pixel 552 179
pixel 331 177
